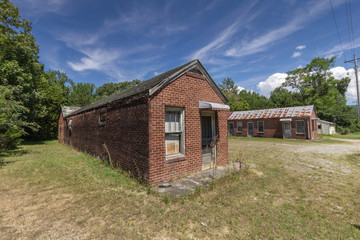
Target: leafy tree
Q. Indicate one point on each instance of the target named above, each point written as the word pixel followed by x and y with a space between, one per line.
pixel 82 94
pixel 316 85
pixel 281 97
pixel 108 89
pixel 20 70
pixel 255 100
pixel 230 90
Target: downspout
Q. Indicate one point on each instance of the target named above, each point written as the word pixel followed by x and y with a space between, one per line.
pixel 308 122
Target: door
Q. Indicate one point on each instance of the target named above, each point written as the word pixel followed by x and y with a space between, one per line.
pixel 287 130
pixel 208 143
pixel 250 127
pixel 231 129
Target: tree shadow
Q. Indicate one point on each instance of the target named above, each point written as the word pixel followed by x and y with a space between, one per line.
pixel 5 157
pixel 355 226
pixel 31 142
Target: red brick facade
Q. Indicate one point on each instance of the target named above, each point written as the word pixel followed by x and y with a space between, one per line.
pixel 133 133
pixel 273 127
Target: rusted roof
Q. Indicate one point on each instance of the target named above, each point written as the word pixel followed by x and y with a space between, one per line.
pixel 288 112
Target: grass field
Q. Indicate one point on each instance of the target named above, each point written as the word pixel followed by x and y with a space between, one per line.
pixel 294 190
pixel 346 136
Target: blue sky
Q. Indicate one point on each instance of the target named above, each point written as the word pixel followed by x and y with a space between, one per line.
pixel 253 42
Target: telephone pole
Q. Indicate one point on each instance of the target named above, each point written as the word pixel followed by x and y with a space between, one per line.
pixel 357 84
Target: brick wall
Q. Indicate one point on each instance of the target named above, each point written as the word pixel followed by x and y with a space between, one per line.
pixel 273 128
pixel 124 133
pixel 185 92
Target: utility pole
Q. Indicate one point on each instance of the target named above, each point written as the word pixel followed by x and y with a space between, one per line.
pixel 357 84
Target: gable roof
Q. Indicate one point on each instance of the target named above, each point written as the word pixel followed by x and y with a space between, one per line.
pixel 155 84
pixel 288 112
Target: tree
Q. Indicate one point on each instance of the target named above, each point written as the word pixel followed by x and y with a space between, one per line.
pixel 108 89
pixel 82 94
pixel 20 70
pixel 281 97
pixel 230 90
pixel 317 86
pixel 255 100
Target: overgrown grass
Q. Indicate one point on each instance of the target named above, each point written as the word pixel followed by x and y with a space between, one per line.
pixel 51 191
pixel 346 136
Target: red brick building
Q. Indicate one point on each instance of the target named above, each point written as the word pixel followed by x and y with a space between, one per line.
pixel 163 128
pixel 291 122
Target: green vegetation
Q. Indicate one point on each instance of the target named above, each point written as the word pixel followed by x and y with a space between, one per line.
pixel 342 136
pixel 313 84
pixel 308 190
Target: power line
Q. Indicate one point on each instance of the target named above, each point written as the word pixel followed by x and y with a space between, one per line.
pixel 337 29
pixel 352 29
pixel 349 27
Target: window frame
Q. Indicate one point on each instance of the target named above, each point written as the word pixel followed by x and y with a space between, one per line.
pixel 263 126
pixel 181 133
pixel 237 126
pixel 102 118
pixel 296 126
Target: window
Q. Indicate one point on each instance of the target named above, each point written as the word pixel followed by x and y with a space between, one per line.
pixel 239 126
pixel 260 127
pixel 102 119
pixel 174 131
pixel 300 127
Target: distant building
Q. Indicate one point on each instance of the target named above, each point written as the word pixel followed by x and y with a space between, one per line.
pixel 325 127
pixel 166 127
pixel 289 122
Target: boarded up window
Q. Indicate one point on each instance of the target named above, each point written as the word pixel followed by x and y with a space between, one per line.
pixel 174 131
pixel 239 126
pixel 300 127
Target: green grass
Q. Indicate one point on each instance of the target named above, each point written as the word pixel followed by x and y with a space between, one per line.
pixel 52 191
pixel 347 136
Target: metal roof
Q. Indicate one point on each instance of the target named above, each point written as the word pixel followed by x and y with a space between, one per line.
pixel 66 110
pixel 213 106
pixel 154 84
pixel 288 112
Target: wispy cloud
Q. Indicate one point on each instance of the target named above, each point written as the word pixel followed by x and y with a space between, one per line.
pixel 337 50
pixel 296 54
pixel 224 36
pixel 263 42
pixel 34 8
pixel 301 47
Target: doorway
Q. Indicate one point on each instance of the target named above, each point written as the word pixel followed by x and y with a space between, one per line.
pixel 231 129
pixel 208 142
pixel 250 128
pixel 287 130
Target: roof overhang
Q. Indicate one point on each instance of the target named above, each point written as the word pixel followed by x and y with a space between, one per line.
pixel 213 106
pixel 285 120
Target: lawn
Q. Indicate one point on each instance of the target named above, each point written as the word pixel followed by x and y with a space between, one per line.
pixel 346 136
pixel 292 190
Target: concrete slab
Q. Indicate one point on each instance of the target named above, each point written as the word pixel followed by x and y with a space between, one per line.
pixel 191 183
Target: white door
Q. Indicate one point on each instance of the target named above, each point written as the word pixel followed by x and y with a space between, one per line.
pixel 287 130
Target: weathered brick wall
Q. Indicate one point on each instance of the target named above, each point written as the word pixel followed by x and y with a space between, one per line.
pixel 186 91
pixel 273 128
pixel 61 129
pixel 124 133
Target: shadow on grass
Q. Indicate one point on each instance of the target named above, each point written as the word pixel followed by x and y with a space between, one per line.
pixel 4 156
pixel 29 143
pixel 355 226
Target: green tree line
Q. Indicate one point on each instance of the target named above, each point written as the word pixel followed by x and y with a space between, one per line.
pixel 30 97
pixel 313 84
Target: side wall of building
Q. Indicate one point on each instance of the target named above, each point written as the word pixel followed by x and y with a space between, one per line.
pixel 184 92
pixel 61 129
pixel 123 136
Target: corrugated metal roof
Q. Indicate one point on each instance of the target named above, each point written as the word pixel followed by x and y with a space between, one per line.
pixel 288 112
pixel 66 110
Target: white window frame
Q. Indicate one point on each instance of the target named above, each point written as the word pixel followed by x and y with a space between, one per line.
pixel 259 128
pixel 180 133
pixel 237 126
pixel 296 126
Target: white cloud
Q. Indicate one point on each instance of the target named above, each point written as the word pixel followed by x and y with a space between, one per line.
pixel 272 82
pixel 301 47
pixel 224 37
pixel 275 80
pixel 239 88
pixel 296 54
pixel 341 72
pixel 337 50
pixel 263 42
